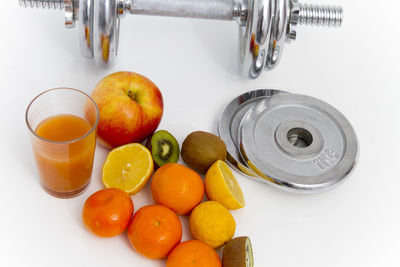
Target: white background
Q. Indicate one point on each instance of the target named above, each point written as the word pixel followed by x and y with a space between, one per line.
pixel 194 63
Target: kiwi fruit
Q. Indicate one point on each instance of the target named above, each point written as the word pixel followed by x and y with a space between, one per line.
pixel 201 149
pixel 163 147
pixel 238 253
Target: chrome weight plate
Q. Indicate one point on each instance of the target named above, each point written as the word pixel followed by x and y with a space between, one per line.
pixel 297 143
pixel 106 26
pixel 229 124
pixel 86 28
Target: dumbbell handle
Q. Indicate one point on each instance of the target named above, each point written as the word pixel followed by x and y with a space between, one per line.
pixel 204 9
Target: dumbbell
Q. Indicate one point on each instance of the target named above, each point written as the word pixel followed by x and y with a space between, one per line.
pixel 264 25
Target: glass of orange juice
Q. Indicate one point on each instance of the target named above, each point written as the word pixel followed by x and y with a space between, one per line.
pixel 62 124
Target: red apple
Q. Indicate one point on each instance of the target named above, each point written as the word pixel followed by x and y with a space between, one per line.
pixel 131 107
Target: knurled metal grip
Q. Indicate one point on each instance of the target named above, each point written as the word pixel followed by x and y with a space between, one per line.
pixel 264 25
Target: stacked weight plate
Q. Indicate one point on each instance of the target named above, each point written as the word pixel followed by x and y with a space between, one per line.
pixel 294 142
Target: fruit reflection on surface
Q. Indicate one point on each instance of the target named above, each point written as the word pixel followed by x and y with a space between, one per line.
pixel 107 212
pixel 128 167
pixel 64 163
pixel 193 253
pixel 154 231
pixel 131 107
pixel 212 223
pixel 177 187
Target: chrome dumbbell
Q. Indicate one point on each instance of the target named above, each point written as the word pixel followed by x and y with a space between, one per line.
pixel 264 25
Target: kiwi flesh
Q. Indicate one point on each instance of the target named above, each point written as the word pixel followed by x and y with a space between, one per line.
pixel 163 147
pixel 201 149
pixel 238 253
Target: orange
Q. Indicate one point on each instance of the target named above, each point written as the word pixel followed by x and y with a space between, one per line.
pixel 193 253
pixel 107 212
pixel 128 167
pixel 177 187
pixel 154 231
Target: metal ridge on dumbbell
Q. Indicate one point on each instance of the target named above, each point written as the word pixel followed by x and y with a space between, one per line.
pixel 264 25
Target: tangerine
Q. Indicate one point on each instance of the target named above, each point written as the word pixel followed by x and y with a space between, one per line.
pixel 177 187
pixel 193 253
pixel 154 231
pixel 107 212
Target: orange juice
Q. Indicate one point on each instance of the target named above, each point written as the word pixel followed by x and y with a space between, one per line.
pixel 64 154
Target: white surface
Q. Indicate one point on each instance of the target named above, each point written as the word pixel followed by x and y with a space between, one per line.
pixel 355 68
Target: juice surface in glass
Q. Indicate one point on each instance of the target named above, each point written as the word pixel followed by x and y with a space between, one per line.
pixel 64 163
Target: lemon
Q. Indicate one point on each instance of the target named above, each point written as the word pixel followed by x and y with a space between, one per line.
pixel 212 223
pixel 128 167
pixel 222 186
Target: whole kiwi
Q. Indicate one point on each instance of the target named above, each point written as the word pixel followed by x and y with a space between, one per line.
pixel 201 149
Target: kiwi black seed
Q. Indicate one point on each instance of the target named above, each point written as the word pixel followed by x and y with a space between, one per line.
pixel 238 253
pixel 163 147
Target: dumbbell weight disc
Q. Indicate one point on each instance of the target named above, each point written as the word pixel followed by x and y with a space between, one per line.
pixel 86 28
pixel 105 32
pixel 298 143
pixel 254 37
pixel 229 123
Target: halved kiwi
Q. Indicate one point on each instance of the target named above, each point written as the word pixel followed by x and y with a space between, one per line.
pixel 163 147
pixel 238 253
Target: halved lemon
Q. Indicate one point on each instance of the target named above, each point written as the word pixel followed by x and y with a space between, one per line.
pixel 222 186
pixel 128 167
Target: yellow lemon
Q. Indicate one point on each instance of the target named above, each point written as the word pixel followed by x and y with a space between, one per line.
pixel 128 167
pixel 212 223
pixel 222 186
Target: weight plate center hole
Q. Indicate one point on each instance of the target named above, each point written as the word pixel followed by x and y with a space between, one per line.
pixel 300 137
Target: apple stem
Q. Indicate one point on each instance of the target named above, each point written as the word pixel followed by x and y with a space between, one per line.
pixel 131 94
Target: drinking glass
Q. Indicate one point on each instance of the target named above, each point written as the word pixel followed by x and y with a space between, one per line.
pixel 62 125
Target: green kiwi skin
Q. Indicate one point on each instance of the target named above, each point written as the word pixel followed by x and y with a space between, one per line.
pixel 151 144
pixel 238 253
